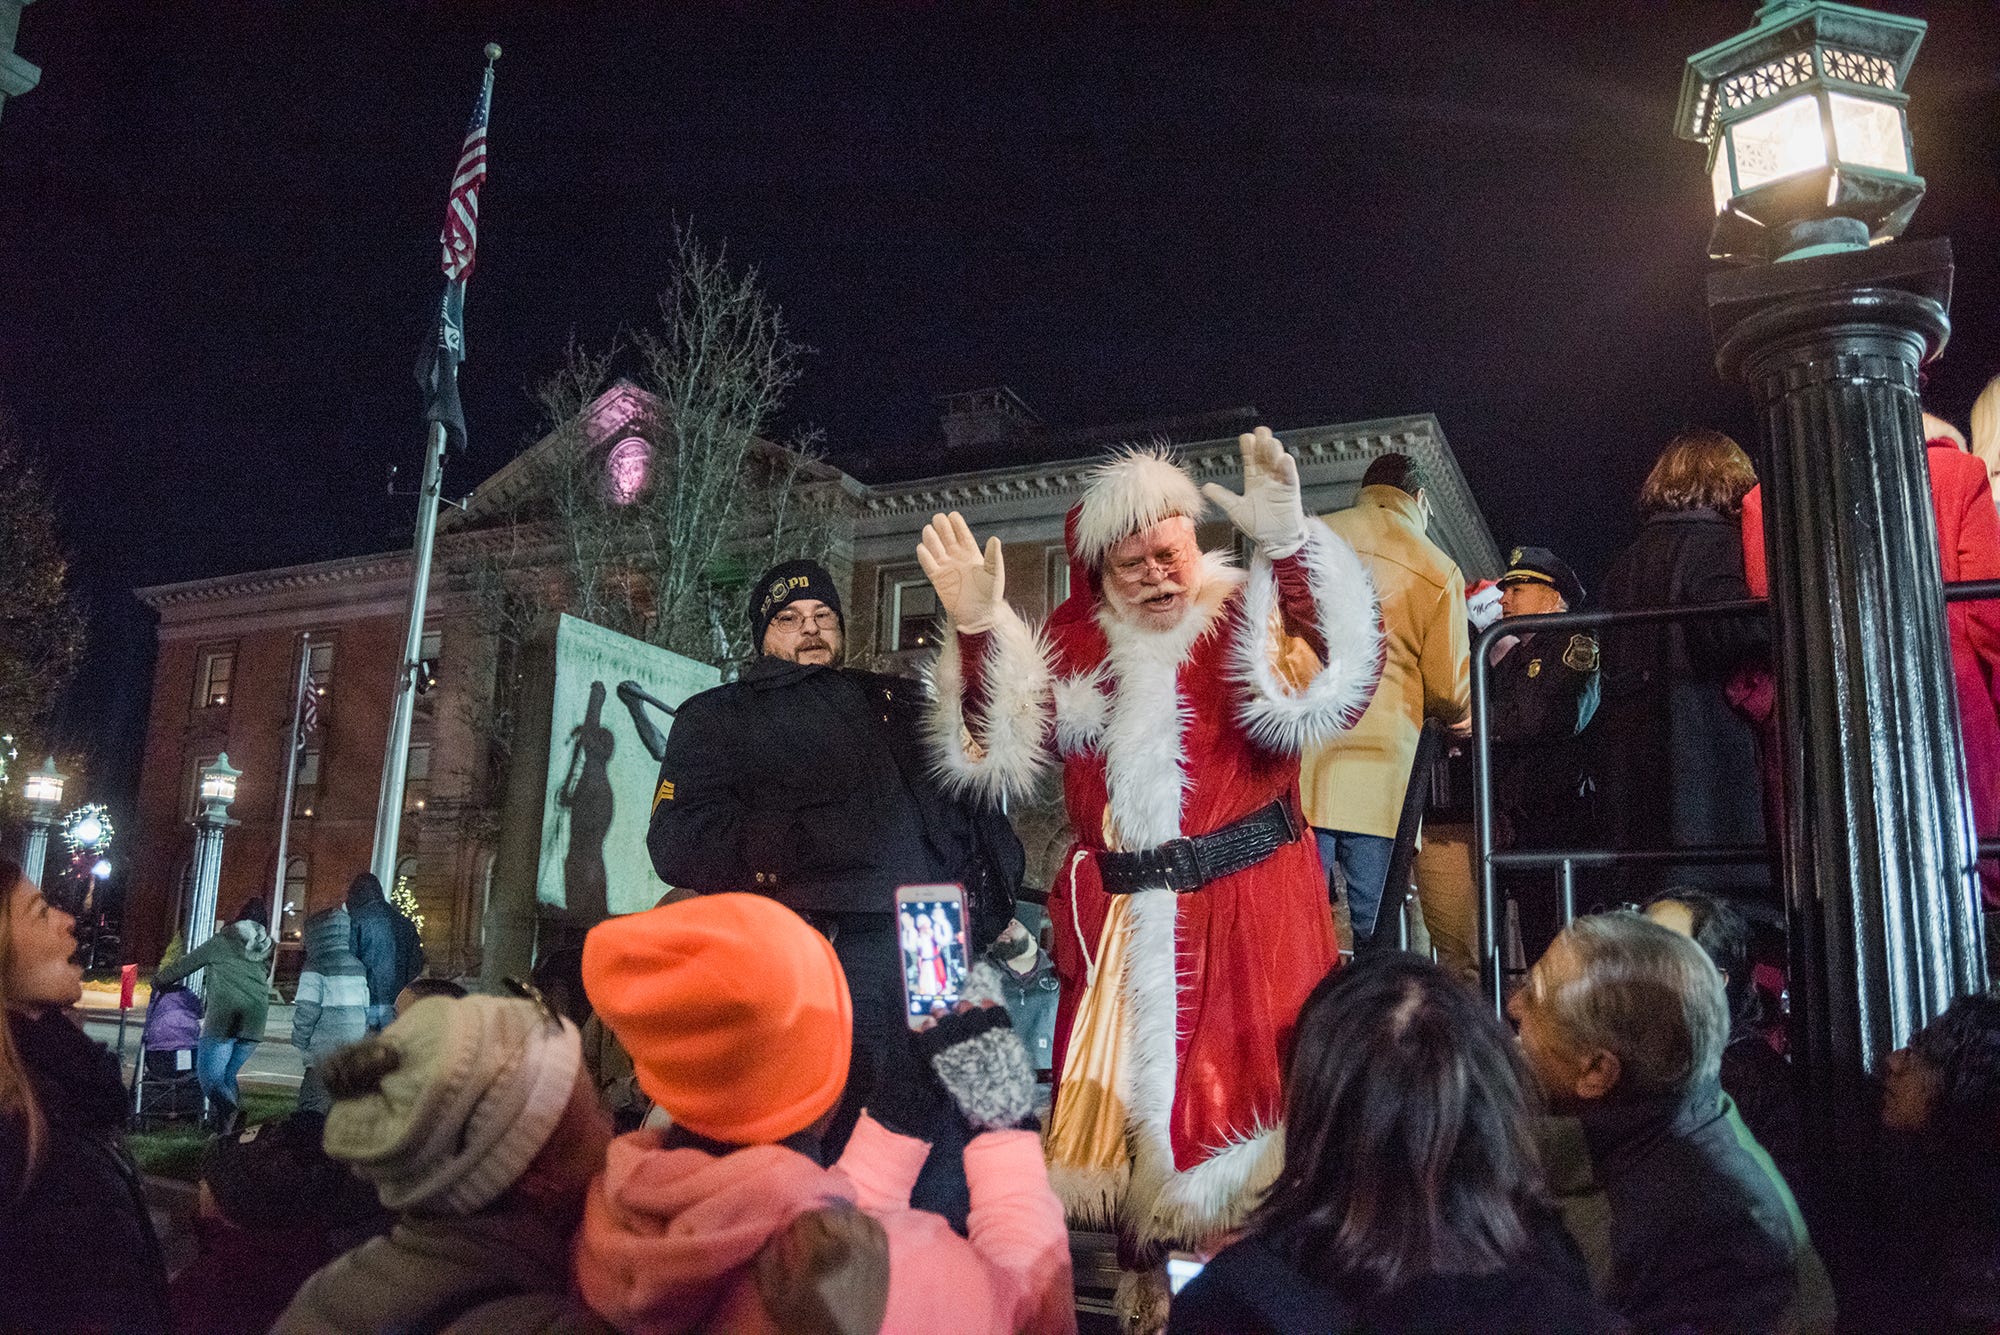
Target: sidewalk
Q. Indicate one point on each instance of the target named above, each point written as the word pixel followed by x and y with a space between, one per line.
pixel 275 1062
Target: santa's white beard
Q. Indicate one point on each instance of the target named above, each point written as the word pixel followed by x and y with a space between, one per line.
pixel 1152 612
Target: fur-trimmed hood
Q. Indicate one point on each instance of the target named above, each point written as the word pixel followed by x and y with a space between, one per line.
pixel 256 938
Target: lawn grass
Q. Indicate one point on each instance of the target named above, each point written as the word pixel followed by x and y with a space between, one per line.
pixel 175 1151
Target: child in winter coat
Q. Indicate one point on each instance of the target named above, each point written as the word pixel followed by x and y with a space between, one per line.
pixel 330 1009
pixel 740 1026
pixel 477 1124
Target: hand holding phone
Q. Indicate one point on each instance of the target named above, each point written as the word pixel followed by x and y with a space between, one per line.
pixel 930 923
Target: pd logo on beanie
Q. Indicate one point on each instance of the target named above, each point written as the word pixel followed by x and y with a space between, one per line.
pixel 733 1009
pixel 786 584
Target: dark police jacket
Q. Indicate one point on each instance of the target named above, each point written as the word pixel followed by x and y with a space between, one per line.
pixel 1543 694
pixel 812 785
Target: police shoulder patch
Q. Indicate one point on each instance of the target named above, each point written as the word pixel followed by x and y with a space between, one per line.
pixel 666 792
pixel 1581 653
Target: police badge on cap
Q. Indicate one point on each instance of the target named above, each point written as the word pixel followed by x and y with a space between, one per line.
pixel 785 584
pixel 1539 565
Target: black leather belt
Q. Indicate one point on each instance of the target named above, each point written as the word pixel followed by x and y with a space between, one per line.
pixel 1182 865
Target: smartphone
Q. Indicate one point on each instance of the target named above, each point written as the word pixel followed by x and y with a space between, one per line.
pixel 930 929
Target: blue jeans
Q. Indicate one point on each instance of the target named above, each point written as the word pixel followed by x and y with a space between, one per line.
pixel 1364 864
pixel 380 1017
pixel 216 1062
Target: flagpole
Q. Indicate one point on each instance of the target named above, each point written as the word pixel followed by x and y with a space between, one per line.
pixel 396 759
pixel 445 355
pixel 285 811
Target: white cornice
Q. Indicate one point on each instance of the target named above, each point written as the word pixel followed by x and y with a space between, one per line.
pixel 1331 458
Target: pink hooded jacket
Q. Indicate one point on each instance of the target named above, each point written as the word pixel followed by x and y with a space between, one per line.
pixel 668 1236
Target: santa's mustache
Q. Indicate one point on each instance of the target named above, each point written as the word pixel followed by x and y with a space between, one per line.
pixel 1165 589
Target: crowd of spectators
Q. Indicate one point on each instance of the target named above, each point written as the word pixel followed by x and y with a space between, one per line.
pixel 660 1139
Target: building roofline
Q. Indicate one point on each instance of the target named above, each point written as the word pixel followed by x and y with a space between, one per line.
pixel 1208 460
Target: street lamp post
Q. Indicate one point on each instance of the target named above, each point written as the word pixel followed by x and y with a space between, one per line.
pixel 1811 168
pixel 218 790
pixel 44 793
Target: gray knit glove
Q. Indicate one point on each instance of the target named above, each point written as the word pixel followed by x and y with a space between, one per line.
pixel 979 1058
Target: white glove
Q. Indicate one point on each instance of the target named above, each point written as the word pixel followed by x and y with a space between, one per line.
pixel 1269 511
pixel 1483 607
pixel 969 584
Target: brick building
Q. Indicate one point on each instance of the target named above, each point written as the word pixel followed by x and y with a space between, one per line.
pixel 230 646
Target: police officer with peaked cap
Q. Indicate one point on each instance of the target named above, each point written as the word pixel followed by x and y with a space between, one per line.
pixel 1544 690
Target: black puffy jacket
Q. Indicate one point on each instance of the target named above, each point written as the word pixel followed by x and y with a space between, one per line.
pixel 383 940
pixel 77 1247
pixel 812 785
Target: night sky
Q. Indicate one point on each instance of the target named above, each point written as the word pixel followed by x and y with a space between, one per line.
pixel 218 246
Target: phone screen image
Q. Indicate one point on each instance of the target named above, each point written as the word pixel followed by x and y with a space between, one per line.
pixel 934 964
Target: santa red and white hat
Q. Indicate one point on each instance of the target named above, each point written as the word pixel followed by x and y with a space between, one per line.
pixel 1129 493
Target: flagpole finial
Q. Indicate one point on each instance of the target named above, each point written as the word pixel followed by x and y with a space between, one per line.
pixel 492 52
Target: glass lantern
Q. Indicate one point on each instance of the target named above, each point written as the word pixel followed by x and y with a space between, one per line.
pixel 1809 141
pixel 44 789
pixel 218 786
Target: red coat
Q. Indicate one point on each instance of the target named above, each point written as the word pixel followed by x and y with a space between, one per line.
pixel 1968 549
pixel 1213 979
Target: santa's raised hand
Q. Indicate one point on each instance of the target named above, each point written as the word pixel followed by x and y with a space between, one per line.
pixel 969 583
pixel 1269 511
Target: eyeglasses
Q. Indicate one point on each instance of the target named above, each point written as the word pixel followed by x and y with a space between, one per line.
pixel 1166 562
pixel 791 620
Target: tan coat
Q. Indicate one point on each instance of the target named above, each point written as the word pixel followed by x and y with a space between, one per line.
pixel 1355 783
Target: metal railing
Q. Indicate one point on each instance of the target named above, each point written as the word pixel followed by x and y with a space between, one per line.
pixel 1490 860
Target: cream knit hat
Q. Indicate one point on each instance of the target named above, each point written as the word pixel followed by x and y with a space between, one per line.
pixel 448 1106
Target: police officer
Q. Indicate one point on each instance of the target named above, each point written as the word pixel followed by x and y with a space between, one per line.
pixel 1544 690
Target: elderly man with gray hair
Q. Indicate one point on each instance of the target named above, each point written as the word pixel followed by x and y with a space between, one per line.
pixel 1683 1218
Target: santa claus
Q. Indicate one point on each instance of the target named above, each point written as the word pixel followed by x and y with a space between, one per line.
pixel 1176 691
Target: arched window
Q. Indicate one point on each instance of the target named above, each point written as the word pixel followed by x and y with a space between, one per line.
pixel 298 884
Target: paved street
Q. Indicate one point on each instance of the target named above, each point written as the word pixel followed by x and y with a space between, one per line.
pixel 275 1063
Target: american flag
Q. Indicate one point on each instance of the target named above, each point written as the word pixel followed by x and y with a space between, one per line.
pixel 308 711
pixel 461 214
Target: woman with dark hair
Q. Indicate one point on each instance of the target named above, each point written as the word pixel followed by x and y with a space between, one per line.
pixel 1410 1197
pixel 1755 1075
pixel 77 1249
pixel 1931 1258
pixel 1676 764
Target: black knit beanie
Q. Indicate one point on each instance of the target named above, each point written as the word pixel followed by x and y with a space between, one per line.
pixel 787 583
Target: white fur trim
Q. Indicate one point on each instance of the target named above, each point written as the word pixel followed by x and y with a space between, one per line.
pixel 1132 491
pixel 1216 1195
pixel 1011 755
pixel 1146 777
pixel 1333 701
pixel 1081 710
pixel 1090 1196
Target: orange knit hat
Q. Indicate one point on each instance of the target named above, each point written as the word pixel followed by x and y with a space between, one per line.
pixel 734 1010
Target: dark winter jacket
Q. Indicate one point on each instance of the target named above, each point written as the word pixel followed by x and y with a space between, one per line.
pixel 1541 695
pixel 330 1009
pixel 504 1271
pixel 383 939
pixel 1921 1219
pixel 236 993
pixel 1683 1219
pixel 1676 766
pixel 77 1250
pixel 813 785
pixel 1252 1288
pixel 287 1208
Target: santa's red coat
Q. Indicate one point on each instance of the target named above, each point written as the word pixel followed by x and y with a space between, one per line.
pixel 1161 735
